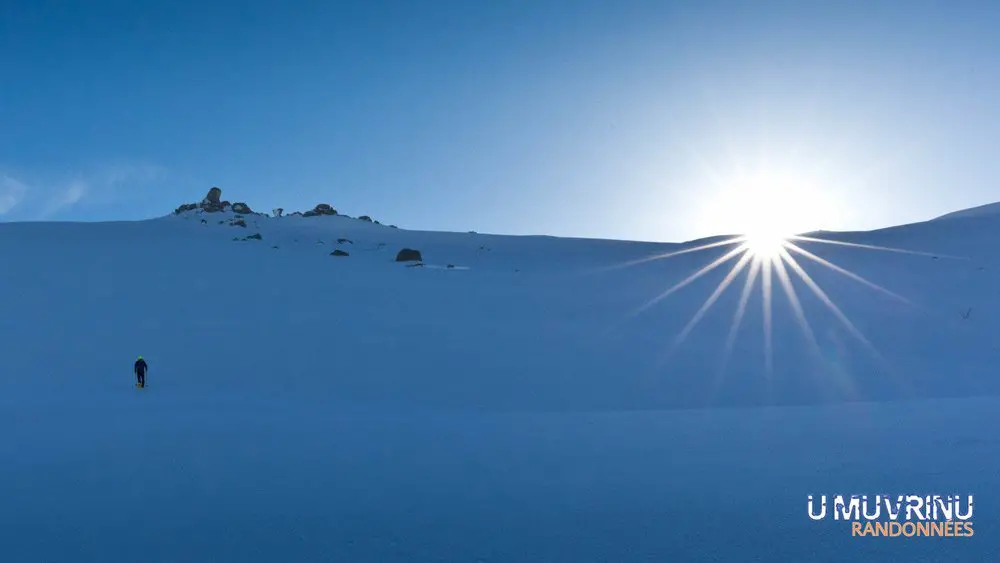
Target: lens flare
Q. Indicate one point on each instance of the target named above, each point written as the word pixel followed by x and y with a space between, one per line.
pixel 769 256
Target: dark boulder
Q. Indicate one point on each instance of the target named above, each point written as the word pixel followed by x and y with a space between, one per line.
pixel 339 253
pixel 409 255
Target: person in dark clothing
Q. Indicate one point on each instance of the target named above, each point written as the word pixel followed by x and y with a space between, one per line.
pixel 140 371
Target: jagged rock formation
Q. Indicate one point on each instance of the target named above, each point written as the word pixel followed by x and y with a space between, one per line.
pixel 320 209
pixel 242 208
pixel 212 203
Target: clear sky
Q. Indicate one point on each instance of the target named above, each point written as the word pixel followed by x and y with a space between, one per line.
pixel 651 120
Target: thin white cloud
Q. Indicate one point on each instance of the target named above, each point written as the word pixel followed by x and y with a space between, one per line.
pixel 100 185
pixel 12 192
pixel 121 182
pixel 67 196
pixel 119 174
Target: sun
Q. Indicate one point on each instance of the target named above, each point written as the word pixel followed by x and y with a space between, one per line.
pixel 765 216
pixel 766 244
pixel 768 207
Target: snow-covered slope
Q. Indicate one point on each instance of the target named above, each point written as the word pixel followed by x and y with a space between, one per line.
pixel 512 407
pixel 990 209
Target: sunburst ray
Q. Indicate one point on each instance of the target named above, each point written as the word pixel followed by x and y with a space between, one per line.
pixel 765 290
pixel 741 310
pixel 667 255
pixel 822 295
pixel 719 290
pixel 874 247
pixel 793 298
pixel 734 326
pixel 688 280
pixel 843 271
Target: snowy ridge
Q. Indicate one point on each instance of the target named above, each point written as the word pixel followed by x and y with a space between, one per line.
pixel 980 211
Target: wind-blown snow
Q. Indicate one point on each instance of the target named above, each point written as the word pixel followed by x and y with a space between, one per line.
pixel 305 407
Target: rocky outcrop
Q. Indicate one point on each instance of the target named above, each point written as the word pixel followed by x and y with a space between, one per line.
pixel 214 197
pixel 339 253
pixel 242 208
pixel 321 209
pixel 409 255
pixel 211 203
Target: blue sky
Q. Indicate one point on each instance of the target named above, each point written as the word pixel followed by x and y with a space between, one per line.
pixel 647 120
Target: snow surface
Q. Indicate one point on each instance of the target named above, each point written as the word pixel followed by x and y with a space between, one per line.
pixel 304 407
pixel 979 211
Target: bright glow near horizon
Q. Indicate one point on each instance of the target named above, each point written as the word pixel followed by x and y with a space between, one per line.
pixel 770 205
pixel 764 211
pixel 767 211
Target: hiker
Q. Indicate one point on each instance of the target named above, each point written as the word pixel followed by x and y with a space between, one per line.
pixel 140 372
